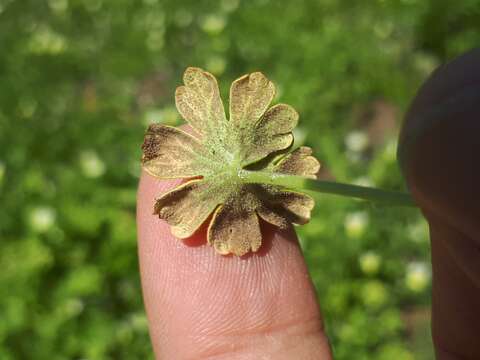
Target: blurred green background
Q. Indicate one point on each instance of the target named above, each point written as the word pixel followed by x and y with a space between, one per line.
pixel 81 79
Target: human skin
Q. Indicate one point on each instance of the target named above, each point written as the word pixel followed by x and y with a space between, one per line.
pixel 443 175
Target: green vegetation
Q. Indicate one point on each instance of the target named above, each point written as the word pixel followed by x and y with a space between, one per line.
pixel 81 79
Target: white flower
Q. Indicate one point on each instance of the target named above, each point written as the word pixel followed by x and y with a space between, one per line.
pixel 356 223
pixel 356 141
pixel 91 164
pixel 370 262
pixel 42 218
pixel 418 276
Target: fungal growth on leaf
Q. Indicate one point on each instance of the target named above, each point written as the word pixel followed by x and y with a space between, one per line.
pixel 220 158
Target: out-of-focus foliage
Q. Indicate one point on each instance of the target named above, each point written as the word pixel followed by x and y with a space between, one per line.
pixel 81 79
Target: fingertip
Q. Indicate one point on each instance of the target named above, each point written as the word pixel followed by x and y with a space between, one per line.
pixel 199 302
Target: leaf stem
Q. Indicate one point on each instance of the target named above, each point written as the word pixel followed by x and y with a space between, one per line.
pixel 295 182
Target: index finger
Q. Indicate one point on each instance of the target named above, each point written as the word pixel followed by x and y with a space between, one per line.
pixel 202 304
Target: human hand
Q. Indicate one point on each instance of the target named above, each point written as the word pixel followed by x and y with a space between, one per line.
pixel 201 305
pixel 443 174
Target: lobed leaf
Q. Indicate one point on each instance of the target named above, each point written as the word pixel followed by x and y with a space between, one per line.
pixel 169 153
pixel 255 137
pixel 234 230
pixel 298 162
pixel 199 101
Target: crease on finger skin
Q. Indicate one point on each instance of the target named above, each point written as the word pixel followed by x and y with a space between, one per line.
pixel 281 341
pixel 461 249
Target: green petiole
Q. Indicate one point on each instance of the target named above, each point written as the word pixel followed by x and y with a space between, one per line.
pixel 294 182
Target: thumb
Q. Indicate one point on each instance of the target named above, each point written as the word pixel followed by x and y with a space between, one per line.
pixel 203 305
pixel 443 175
